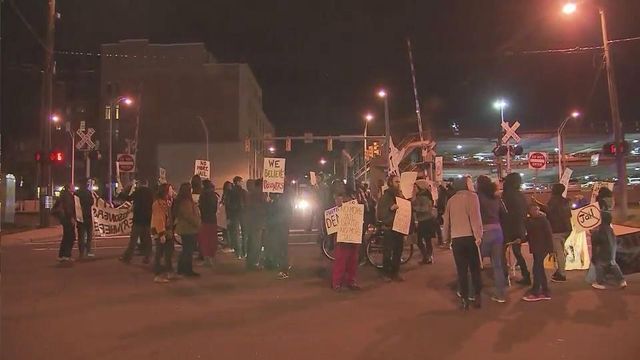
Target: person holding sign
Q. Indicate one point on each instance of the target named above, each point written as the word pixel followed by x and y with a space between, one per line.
pixel 463 229
pixel 187 221
pixel 393 241
pixel 347 247
pixel 604 244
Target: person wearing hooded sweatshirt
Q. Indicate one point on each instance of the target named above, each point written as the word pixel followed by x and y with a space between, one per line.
pixel 65 210
pixel 392 242
pixel 514 222
pixel 558 210
pixel 208 234
pixel 605 245
pixel 423 211
pixel 463 229
pixel 256 215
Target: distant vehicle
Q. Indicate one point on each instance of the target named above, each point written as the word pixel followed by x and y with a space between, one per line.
pixel 634 181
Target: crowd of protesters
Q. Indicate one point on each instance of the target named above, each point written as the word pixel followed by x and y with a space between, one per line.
pixel 475 221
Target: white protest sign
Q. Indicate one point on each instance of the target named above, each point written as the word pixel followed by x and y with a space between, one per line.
pixel 402 218
pixel 439 174
pixel 407 179
pixel 78 208
pixel 108 221
pixel 595 158
pixel 594 192
pixel 566 176
pixel 312 178
pixel 350 224
pixel 331 220
pixel 273 175
pixel 587 217
pixel 203 169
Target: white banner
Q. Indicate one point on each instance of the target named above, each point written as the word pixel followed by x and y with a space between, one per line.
pixel 439 175
pixel 407 179
pixel 402 219
pixel 273 175
pixel 587 217
pixel 350 224
pixel 109 221
pixel 203 169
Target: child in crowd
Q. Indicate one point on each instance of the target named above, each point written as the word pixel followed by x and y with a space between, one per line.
pixel 540 240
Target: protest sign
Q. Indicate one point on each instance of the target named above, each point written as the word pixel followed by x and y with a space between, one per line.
pixel 108 221
pixel 203 169
pixel 312 178
pixel 78 208
pixel 407 179
pixel 402 218
pixel 273 175
pixel 587 217
pixel 566 176
pixel 438 171
pixel 331 220
pixel 350 224
pixel 594 192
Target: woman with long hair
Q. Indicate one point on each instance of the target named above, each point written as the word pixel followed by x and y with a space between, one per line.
pixel 187 222
pixel 208 235
pixel 492 211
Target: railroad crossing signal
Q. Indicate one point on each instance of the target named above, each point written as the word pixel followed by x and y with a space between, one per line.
pixel 510 132
pixel 85 143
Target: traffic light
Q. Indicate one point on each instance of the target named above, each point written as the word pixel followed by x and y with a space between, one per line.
pixel 500 150
pixel 376 148
pixel 610 148
pixel 56 157
pixel 503 150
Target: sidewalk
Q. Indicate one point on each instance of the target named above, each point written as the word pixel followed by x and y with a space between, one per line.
pixel 54 232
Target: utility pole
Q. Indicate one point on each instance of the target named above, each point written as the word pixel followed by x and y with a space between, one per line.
pixel 48 67
pixel 618 133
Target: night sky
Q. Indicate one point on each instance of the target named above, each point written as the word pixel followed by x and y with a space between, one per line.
pixel 320 62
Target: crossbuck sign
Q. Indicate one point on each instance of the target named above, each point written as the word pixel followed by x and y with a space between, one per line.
pixel 510 132
pixel 85 142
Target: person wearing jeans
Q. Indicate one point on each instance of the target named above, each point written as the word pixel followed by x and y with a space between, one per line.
pixel 514 222
pixel 235 203
pixel 256 212
pixel 605 245
pixel 558 210
pixel 187 220
pixel 64 210
pixel 142 199
pixel 392 241
pixel 463 228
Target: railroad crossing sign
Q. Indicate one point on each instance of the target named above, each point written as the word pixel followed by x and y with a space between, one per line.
pixel 510 132
pixel 85 143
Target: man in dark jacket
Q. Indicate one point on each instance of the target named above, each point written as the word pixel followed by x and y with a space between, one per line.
pixel 558 210
pixel 256 214
pixel 235 206
pixel 64 209
pixel 514 222
pixel 393 241
pixel 85 228
pixel 142 199
pixel 540 244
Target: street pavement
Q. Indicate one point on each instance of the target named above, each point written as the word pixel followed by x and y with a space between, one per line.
pixel 102 309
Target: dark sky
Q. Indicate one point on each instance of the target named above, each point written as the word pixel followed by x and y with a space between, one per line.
pixel 319 62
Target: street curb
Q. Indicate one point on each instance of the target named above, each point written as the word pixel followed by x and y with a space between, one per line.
pixel 29 236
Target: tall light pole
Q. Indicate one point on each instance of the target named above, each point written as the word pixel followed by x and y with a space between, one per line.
pixel 387 128
pixel 574 115
pixel 110 114
pixel 367 119
pixel 618 133
pixel 206 133
pixel 500 104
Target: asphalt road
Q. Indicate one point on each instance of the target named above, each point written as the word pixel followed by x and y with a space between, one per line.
pixel 102 309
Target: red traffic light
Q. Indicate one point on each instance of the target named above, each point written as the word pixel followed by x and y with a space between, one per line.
pixel 611 148
pixel 56 157
pixel 38 156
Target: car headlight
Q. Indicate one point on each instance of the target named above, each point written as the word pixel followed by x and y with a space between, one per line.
pixel 302 204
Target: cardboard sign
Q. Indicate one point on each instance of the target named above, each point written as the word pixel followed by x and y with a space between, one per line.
pixel 439 174
pixel 587 217
pixel 203 169
pixel 402 219
pixel 350 224
pixel 538 160
pixel 273 175
pixel 407 179
pixel 312 178
pixel 566 176
pixel 331 220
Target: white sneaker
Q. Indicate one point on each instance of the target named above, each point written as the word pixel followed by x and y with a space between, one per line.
pixel 598 286
pixel 623 284
pixel 160 279
pixel 282 275
pixel 91 255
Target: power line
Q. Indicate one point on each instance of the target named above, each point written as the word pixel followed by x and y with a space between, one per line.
pixel 28 26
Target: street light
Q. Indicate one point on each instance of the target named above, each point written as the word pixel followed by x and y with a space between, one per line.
pixel 382 93
pixel 323 161
pixel 500 104
pixel 618 134
pixel 272 149
pixel 110 115
pixel 573 115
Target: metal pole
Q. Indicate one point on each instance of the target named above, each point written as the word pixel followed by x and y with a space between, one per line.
pixel 48 67
pixel 73 158
pixel 618 132
pixel 364 151
pixel 88 165
pixel 508 159
pixel 561 148
pixel 387 134
pixel 499 158
pixel 109 173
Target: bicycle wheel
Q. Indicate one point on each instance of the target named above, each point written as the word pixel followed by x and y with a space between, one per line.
pixel 328 247
pixel 374 251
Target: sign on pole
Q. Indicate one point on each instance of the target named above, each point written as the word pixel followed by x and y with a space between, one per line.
pixel 126 163
pixel 595 158
pixel 587 217
pixel 407 179
pixel 538 160
pixel 273 175
pixel 510 132
pixel 203 169
pixel 85 143
pixel 350 224
pixel 402 218
pixel 566 176
pixel 439 175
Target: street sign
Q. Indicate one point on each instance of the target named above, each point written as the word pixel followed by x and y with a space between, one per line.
pixel 85 143
pixel 595 158
pixel 203 169
pixel 510 132
pixel 538 160
pixel 308 138
pixel 126 163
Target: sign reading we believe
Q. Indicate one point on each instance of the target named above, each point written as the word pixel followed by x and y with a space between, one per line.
pixel 273 175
